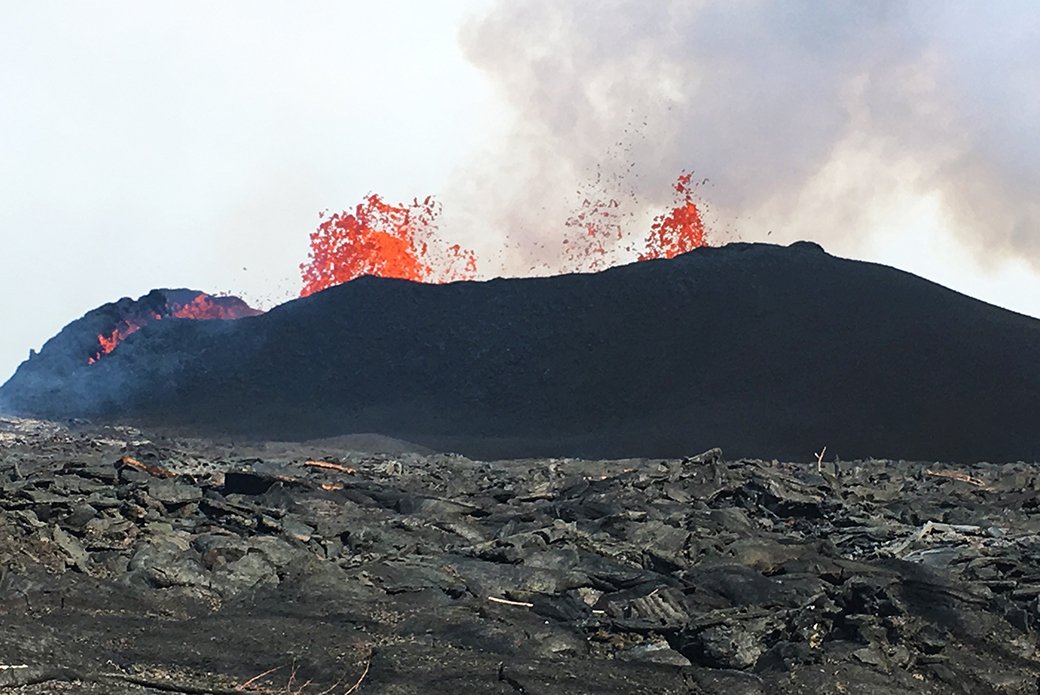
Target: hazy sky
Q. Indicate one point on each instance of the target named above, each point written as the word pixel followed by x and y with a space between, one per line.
pixel 193 144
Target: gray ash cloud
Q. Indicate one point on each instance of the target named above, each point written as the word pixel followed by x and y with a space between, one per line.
pixel 808 118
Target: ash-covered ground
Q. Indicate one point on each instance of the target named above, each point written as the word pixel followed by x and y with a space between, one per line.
pixel 135 562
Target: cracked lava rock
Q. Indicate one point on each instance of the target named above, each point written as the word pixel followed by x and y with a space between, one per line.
pixel 144 563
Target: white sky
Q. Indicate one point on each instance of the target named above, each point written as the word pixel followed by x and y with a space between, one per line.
pixel 192 144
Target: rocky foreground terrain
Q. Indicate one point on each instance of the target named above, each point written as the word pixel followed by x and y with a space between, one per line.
pixel 137 563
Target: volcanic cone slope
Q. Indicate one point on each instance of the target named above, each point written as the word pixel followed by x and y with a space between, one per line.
pixel 763 350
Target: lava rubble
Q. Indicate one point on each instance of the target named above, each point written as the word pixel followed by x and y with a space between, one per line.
pixel 138 563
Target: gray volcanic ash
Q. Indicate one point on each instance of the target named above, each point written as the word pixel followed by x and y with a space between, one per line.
pixel 766 351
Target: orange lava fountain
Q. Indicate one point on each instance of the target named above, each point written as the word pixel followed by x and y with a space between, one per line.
pixel 400 241
pixel 393 241
pixel 678 231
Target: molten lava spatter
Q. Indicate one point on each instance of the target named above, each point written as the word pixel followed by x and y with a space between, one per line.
pixel 600 220
pixel 400 241
pixel 599 225
pixel 161 304
pixel 395 241
pixel 678 231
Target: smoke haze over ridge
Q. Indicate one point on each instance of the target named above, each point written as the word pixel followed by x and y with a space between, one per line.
pixel 825 121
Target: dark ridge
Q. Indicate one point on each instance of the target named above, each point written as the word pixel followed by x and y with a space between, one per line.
pixel 763 350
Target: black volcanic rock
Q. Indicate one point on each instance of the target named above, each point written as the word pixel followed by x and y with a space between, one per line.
pixel 135 563
pixel 763 350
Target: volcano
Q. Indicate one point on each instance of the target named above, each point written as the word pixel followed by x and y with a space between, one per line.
pixel 763 350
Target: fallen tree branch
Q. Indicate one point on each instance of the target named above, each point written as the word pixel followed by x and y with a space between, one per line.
pixel 932 527
pixel 258 677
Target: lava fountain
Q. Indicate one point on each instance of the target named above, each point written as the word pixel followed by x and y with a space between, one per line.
pixel 392 241
pixel 401 241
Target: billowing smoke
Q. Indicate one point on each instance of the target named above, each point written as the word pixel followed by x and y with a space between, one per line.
pixel 810 120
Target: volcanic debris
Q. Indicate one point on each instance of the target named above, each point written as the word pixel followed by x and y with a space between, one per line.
pixel 139 564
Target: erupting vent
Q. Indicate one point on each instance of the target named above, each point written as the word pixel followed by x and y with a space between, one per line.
pixel 163 304
pixel 678 231
pixel 401 241
pixel 392 241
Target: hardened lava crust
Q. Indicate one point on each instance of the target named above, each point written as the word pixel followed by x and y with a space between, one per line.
pixel 138 562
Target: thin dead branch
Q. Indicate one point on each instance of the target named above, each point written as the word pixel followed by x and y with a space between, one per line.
pixel 819 460
pixel 258 677
pixel 250 686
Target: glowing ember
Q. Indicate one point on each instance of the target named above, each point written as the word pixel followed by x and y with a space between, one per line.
pixel 395 241
pixel 678 231
pixel 181 304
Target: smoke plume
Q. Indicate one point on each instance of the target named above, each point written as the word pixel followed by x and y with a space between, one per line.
pixel 809 120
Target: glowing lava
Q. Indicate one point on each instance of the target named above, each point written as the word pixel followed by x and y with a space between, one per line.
pixel 393 241
pixel 108 342
pixel 600 222
pixel 678 231
pixel 207 308
pixel 161 304
pixel 400 241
